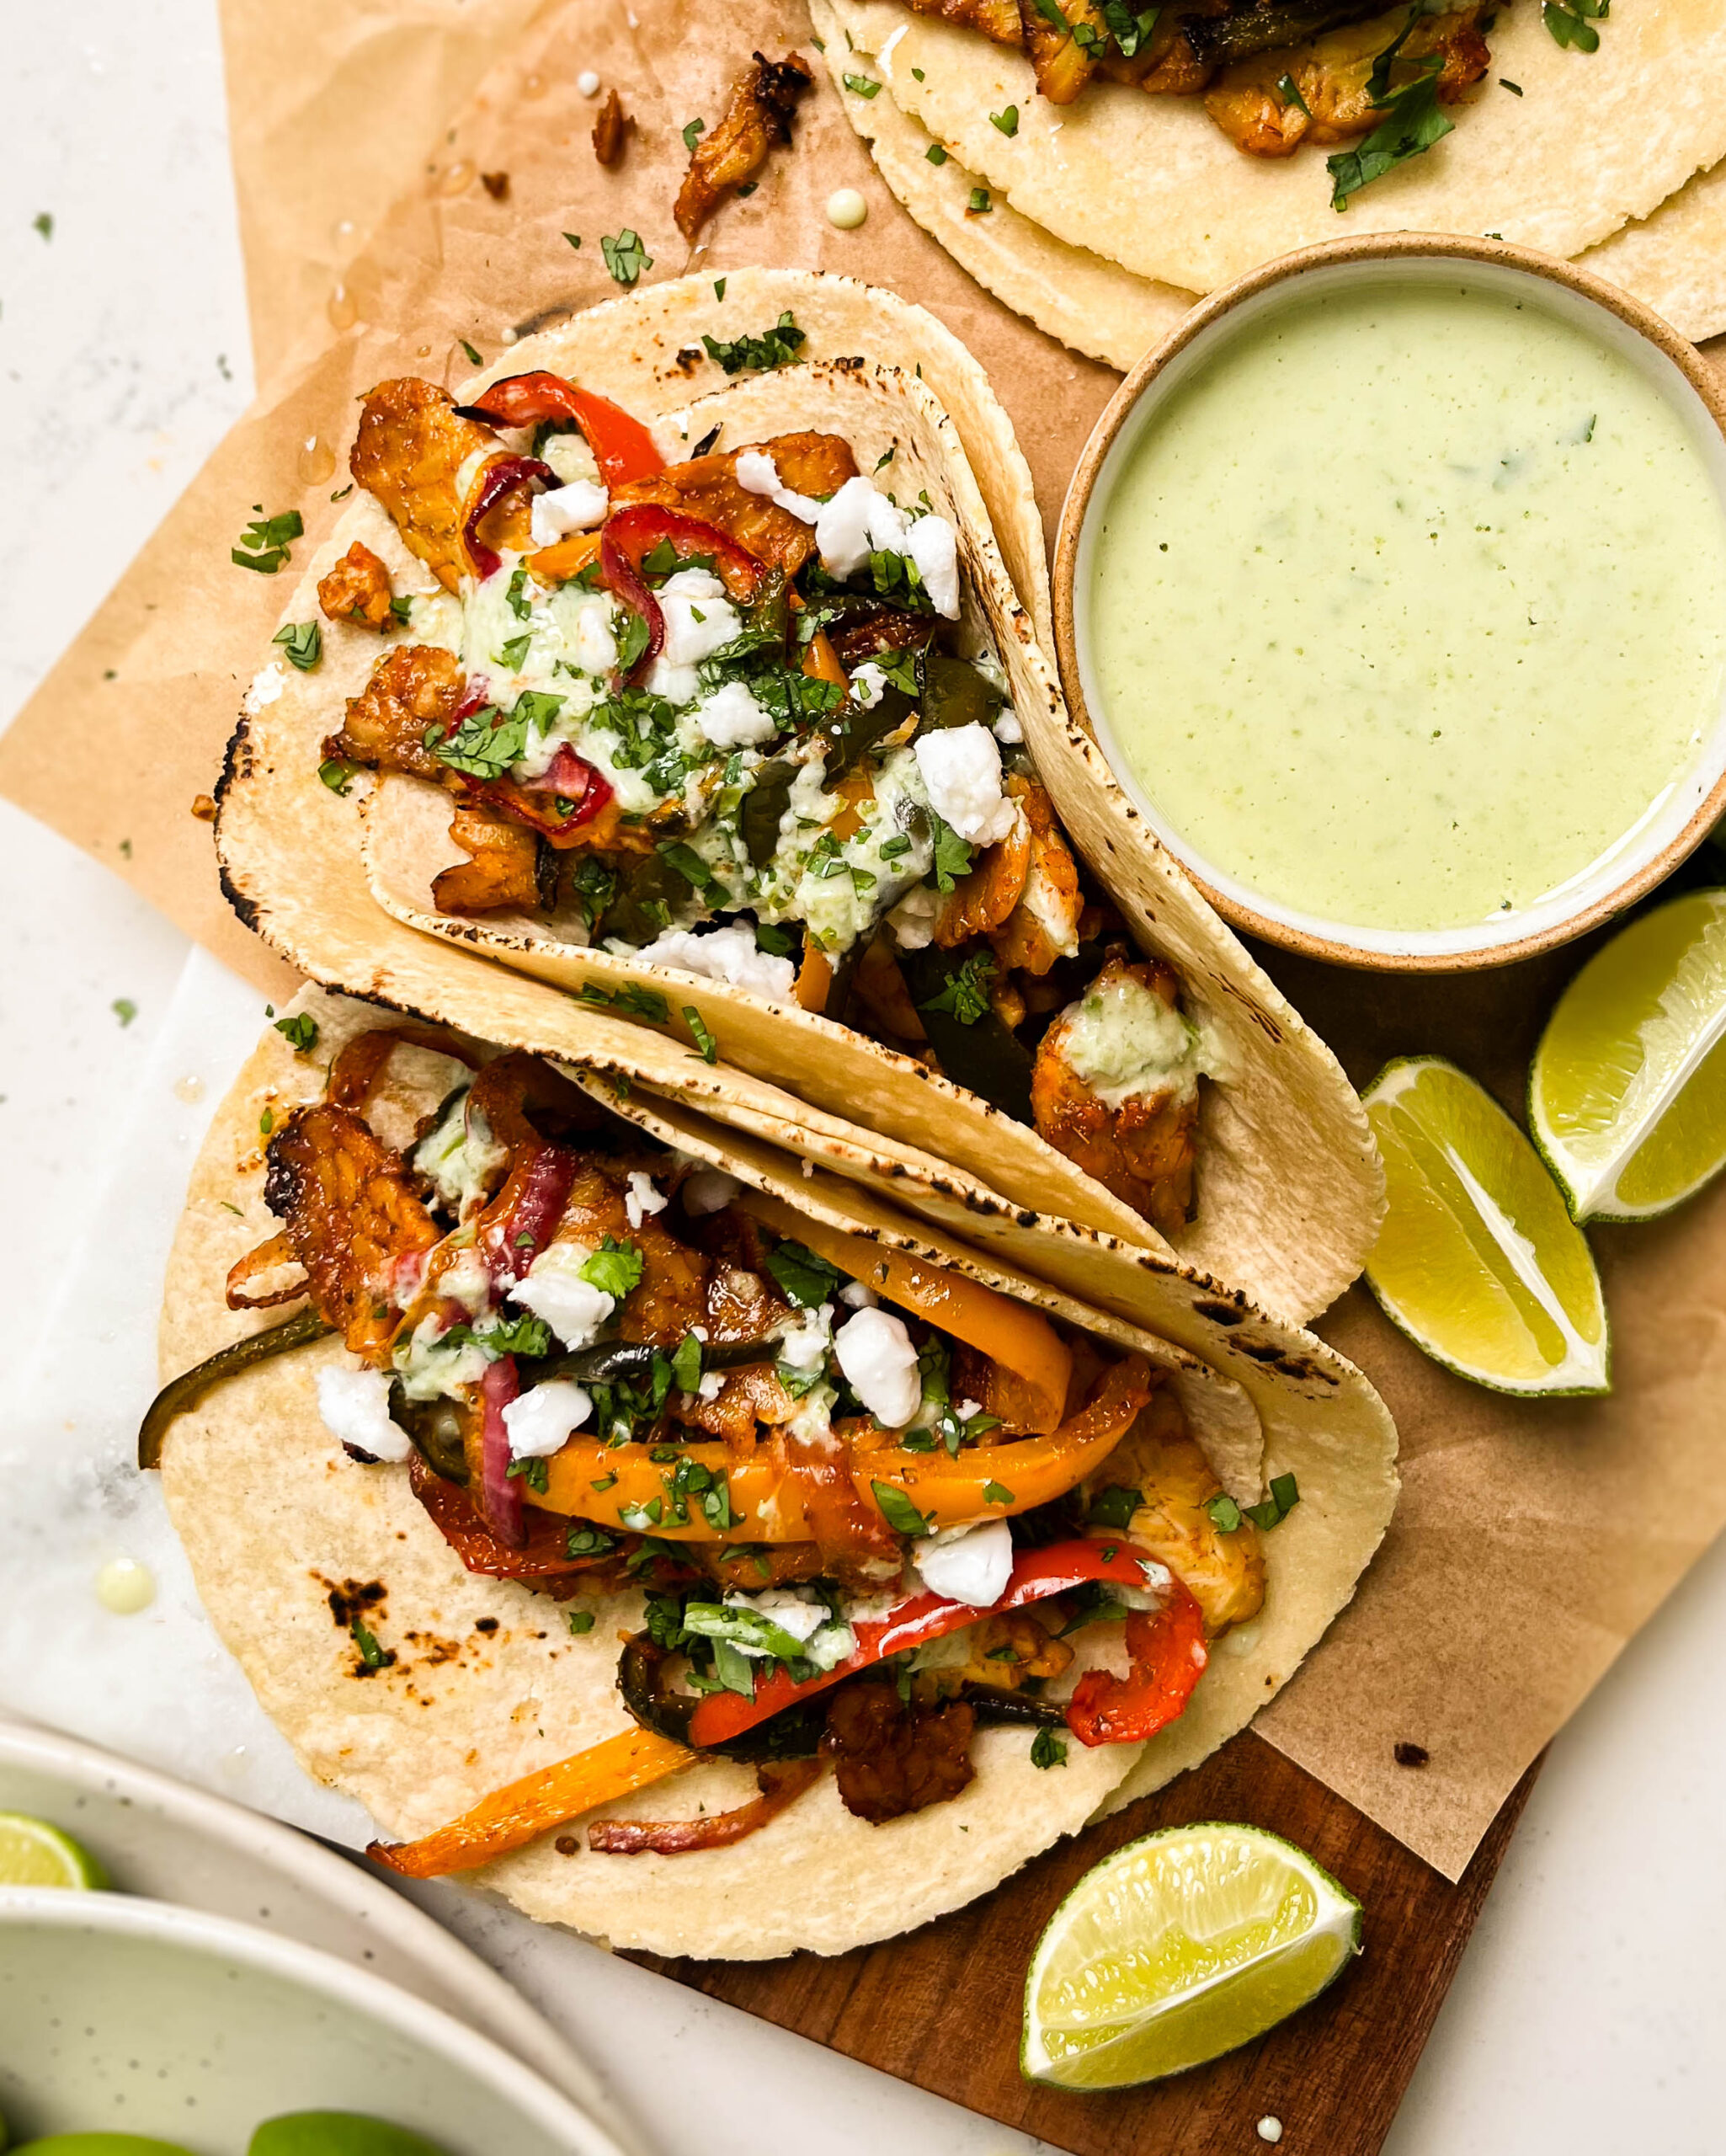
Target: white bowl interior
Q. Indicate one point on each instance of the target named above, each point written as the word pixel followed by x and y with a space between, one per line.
pixel 1664 819
pixel 131 2016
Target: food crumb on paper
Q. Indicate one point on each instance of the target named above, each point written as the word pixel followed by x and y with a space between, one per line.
pixel 1270 2129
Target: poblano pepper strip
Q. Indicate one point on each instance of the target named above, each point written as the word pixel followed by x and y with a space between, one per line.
pixel 180 1395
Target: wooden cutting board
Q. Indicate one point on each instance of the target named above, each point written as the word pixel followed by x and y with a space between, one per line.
pixel 941 2007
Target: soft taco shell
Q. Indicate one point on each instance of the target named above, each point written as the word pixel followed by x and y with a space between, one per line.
pixel 274 1520
pixel 1152 184
pixel 1673 259
pixel 1289 1188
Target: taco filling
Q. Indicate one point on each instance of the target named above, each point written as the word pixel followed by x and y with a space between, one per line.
pixel 732 717
pixel 873 1502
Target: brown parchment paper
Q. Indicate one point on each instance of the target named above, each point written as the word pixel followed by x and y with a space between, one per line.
pixel 1532 1539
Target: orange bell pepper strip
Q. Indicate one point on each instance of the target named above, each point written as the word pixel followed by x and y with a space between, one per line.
pixel 567 559
pixel 814 978
pixel 821 662
pixel 1008 1332
pixel 511 1818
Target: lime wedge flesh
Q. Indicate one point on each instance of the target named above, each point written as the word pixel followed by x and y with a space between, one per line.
pixel 34 1853
pixel 1479 1260
pixel 1179 1947
pixel 1626 1096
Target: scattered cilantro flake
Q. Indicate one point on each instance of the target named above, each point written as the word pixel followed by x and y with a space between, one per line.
pixel 898 1512
pixel 625 258
pixel 691 129
pixel 995 1493
pixel 300 1032
pixel 265 544
pixel 1048 1750
pixel 1285 1496
pixel 636 1001
pixel 1131 27
pixel 580 1621
pixel 485 745
pixel 1505 83
pixel 302 642
pixel 124 1009
pixel 1115 1507
pixel 370 1653
pixel 804 1279
pixel 1007 120
pixel 979 204
pixel 266 1123
pixel 1290 92
pixel 919 75
pixel 953 856
pixel 777 347
pixel 583 1540
pixel 615 1268
pixel 574 238
pixel 1413 122
pixel 532 1471
pixel 336 774
pixel 43 222
pixel 513 654
pixel 704 1042
pixel 865 86
pixel 719 288
pixel 473 357
pixel 965 995
pixel 1225 1513
pixel 936 154
pixel 1569 24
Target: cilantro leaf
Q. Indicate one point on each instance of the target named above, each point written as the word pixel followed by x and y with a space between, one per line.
pixel 777 347
pixel 691 129
pixel 804 1279
pixel 705 1046
pixel 1048 1750
pixel 616 1268
pixel 302 642
pixel 300 1032
pixel 996 1493
pixel 865 86
pixel 1114 1507
pixel 265 541
pixel 898 1512
pixel 1285 1496
pixel 1225 1513
pixel 486 744
pixel 625 258
pixel 953 856
pixel 1006 120
pixel 965 995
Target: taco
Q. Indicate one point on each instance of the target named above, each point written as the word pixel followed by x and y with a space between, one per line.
pixel 721 712
pixel 1099 167
pixel 648 1524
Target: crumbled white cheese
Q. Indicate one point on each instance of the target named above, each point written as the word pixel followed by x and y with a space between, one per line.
pixel 971 1564
pixel 731 718
pixel 642 1197
pixel 708 1190
pixel 267 684
pixel 727 954
pixel 879 1364
pixel 912 919
pixel 868 684
pixel 577 507
pixel 1008 729
pixel 826 1640
pixel 711 1384
pixel 542 1421
pixel 355 1408
pixel 461 1159
pixel 699 617
pixel 807 1341
pixel 554 1290
pixel 587 82
pixel 758 474
pixel 934 545
pixel 857 522
pixel 855 1296
pixel 962 768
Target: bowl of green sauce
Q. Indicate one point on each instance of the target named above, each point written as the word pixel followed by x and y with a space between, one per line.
pixel 1393 587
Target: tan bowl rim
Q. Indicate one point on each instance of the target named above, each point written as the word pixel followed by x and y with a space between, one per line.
pixel 1380 247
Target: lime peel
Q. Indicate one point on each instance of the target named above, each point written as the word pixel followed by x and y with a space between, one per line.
pixel 34 1853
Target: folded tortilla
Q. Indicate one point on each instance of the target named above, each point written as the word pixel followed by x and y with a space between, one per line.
pixel 487 1684
pixel 1290 1189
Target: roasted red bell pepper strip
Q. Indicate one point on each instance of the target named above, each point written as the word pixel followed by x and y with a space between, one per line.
pixel 633 534
pixel 495 481
pixel 1166 1650
pixel 622 447
pixel 1036 1574
pixel 570 780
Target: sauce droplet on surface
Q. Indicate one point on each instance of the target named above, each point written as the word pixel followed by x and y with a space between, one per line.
pixel 846 209
pixel 316 462
pixel 188 1089
pixel 587 82
pixel 533 85
pixel 341 309
pixel 1270 2129
pixel 458 178
pixel 125 1587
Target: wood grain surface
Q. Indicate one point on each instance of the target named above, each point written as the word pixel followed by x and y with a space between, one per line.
pixel 941 2007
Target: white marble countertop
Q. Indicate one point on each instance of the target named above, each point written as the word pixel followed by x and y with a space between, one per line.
pixel 1590 2001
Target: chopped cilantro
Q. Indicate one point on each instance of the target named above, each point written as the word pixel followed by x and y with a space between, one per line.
pixel 1115 1507
pixel 574 238
pixel 936 154
pixel 1569 24
pixel 124 1009
pixel 803 1278
pixel 266 1123
pixel 1006 120
pixel 265 544
pixel 719 288
pixel 1225 1513
pixel 370 1653
pixel 1285 1496
pixel 691 129
pixel 898 1512
pixel 777 347
pixel 584 1540
pixel 513 654
pixel 473 357
pixel 1290 92
pixel 704 1042
pixel 43 222
pixel 302 642
pixel 979 204
pixel 532 1471
pixel 485 745
pixel 615 1268
pixel 1131 27
pixel 580 1621
pixel 336 774
pixel 625 258
pixel 638 1002
pixel 966 995
pixel 953 856
pixel 1048 1750
pixel 995 1493
pixel 300 1032
pixel 865 86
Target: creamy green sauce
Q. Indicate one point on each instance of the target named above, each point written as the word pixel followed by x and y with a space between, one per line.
pixel 1408 606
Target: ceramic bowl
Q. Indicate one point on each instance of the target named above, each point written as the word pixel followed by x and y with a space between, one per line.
pixel 127 2015
pixel 1645 856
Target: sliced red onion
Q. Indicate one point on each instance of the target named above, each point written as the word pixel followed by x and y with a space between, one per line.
pixel 511 1243
pixel 505 1511
pixel 498 477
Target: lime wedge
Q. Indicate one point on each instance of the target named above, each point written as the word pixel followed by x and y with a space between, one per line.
pixel 34 1853
pixel 1626 1096
pixel 1177 1948
pixel 1478 1261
